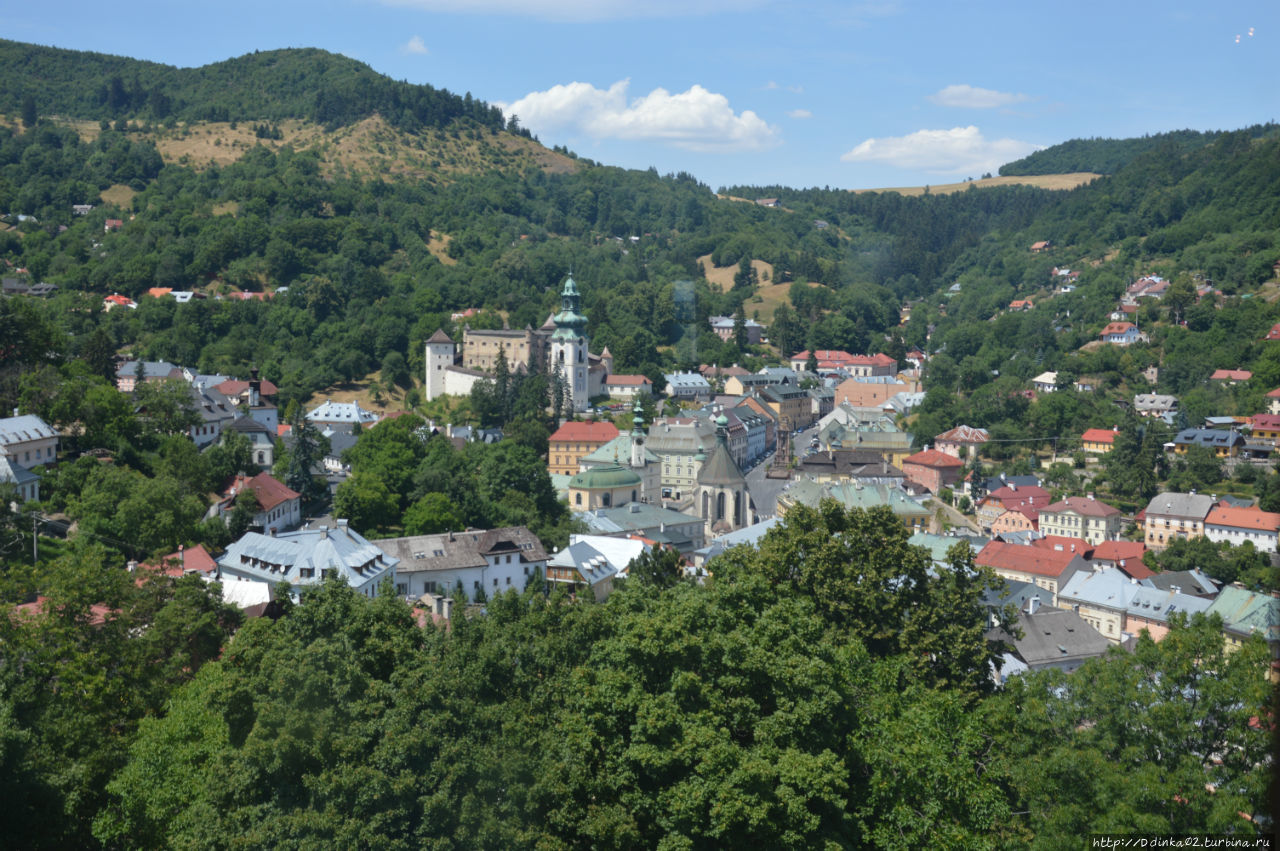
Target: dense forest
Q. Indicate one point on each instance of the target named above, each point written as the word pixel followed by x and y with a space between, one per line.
pixel 828 689
pixel 316 85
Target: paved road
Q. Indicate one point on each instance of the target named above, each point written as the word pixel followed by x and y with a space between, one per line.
pixel 764 491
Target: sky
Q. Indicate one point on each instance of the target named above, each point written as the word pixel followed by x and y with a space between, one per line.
pixel 854 95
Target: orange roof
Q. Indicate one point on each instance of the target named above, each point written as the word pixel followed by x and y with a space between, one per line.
pixel 119 299
pixel 1117 328
pixel 1231 375
pixel 588 432
pixel 1254 519
pixel 97 612
pixel 998 555
pixel 1099 435
pixel 157 292
pixel 933 458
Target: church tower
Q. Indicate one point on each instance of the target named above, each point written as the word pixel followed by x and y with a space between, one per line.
pixel 722 499
pixel 568 353
pixel 439 358
pixel 637 437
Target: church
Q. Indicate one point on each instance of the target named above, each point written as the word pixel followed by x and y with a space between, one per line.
pixel 561 344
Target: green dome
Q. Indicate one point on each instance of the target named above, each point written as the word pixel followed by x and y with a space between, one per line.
pixel 605 477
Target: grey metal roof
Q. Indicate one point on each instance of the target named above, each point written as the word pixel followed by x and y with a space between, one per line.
pixel 283 557
pixel 454 550
pixel 1183 505
pixel 24 427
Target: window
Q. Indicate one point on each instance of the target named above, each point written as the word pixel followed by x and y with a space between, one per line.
pixel 495 582
pixel 475 585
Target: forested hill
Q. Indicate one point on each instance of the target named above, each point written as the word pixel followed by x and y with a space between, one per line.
pixel 1107 156
pixel 305 83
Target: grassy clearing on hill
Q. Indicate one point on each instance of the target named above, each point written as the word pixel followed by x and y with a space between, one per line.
pixel 366 149
pixel 1044 181
pixel 359 391
pixel 119 195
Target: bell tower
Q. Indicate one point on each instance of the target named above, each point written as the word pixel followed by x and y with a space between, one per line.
pixel 568 353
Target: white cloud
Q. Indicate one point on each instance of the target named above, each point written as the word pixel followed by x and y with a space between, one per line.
pixel 800 113
pixel 697 120
pixel 958 150
pixel 972 97
pixel 583 10
pixel 772 86
pixel 415 46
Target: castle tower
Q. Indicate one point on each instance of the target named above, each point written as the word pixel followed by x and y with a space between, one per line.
pixel 440 351
pixel 568 352
pixel 722 500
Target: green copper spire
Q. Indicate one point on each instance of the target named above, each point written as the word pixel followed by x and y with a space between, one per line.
pixel 570 323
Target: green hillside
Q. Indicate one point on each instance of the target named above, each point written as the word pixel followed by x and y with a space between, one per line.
pixel 310 84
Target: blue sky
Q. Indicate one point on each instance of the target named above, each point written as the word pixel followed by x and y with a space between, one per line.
pixel 850 94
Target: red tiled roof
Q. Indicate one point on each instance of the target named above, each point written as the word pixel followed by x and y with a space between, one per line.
pixel 157 292
pixel 933 458
pixel 1254 519
pixel 269 491
pixel 1274 333
pixel 119 299
pixel 97 612
pixel 195 558
pixel 1009 494
pixel 999 555
pixel 1117 328
pixel 234 387
pixel 1064 544
pixel 1130 552
pixel 965 434
pixel 1265 421
pixel 628 380
pixel 1099 435
pixel 1231 375
pixel 587 432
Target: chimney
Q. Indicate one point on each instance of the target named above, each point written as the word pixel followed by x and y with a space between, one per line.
pixel 132 565
pixel 1175 589
pixel 447 602
pixel 342 525
pixel 1033 605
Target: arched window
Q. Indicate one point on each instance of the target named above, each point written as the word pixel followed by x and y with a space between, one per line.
pixel 633 496
pixel 577 499
pixel 604 500
pixel 720 506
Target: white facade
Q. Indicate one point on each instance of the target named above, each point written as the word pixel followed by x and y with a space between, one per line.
pixel 28 440
pixel 494 561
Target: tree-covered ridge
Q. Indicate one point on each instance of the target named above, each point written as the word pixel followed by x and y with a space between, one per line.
pixel 304 83
pixel 1107 156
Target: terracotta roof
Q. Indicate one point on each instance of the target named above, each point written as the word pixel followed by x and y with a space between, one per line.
pixel 1254 519
pixel 1083 506
pixel 269 491
pixel 965 434
pixel 195 558
pixel 1099 435
pixel 1117 328
pixel 1265 421
pixel 1064 544
pixel 1012 494
pixel 587 432
pixel 157 292
pixel 998 555
pixel 628 380
pixel 234 387
pixel 1231 375
pixel 1274 333
pixel 97 612
pixel 933 458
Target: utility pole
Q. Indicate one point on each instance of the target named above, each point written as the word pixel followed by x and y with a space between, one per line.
pixel 35 540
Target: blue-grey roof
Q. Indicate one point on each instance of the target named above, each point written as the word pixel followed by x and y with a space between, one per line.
pixel 341 412
pixel 13 472
pixel 281 558
pixel 686 380
pixel 24 427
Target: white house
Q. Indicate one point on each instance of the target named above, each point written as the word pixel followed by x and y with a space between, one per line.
pixel 477 560
pixel 1239 525
pixel 28 440
pixel 340 416
pixel 307 556
pixel 24 481
pixel 279 506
